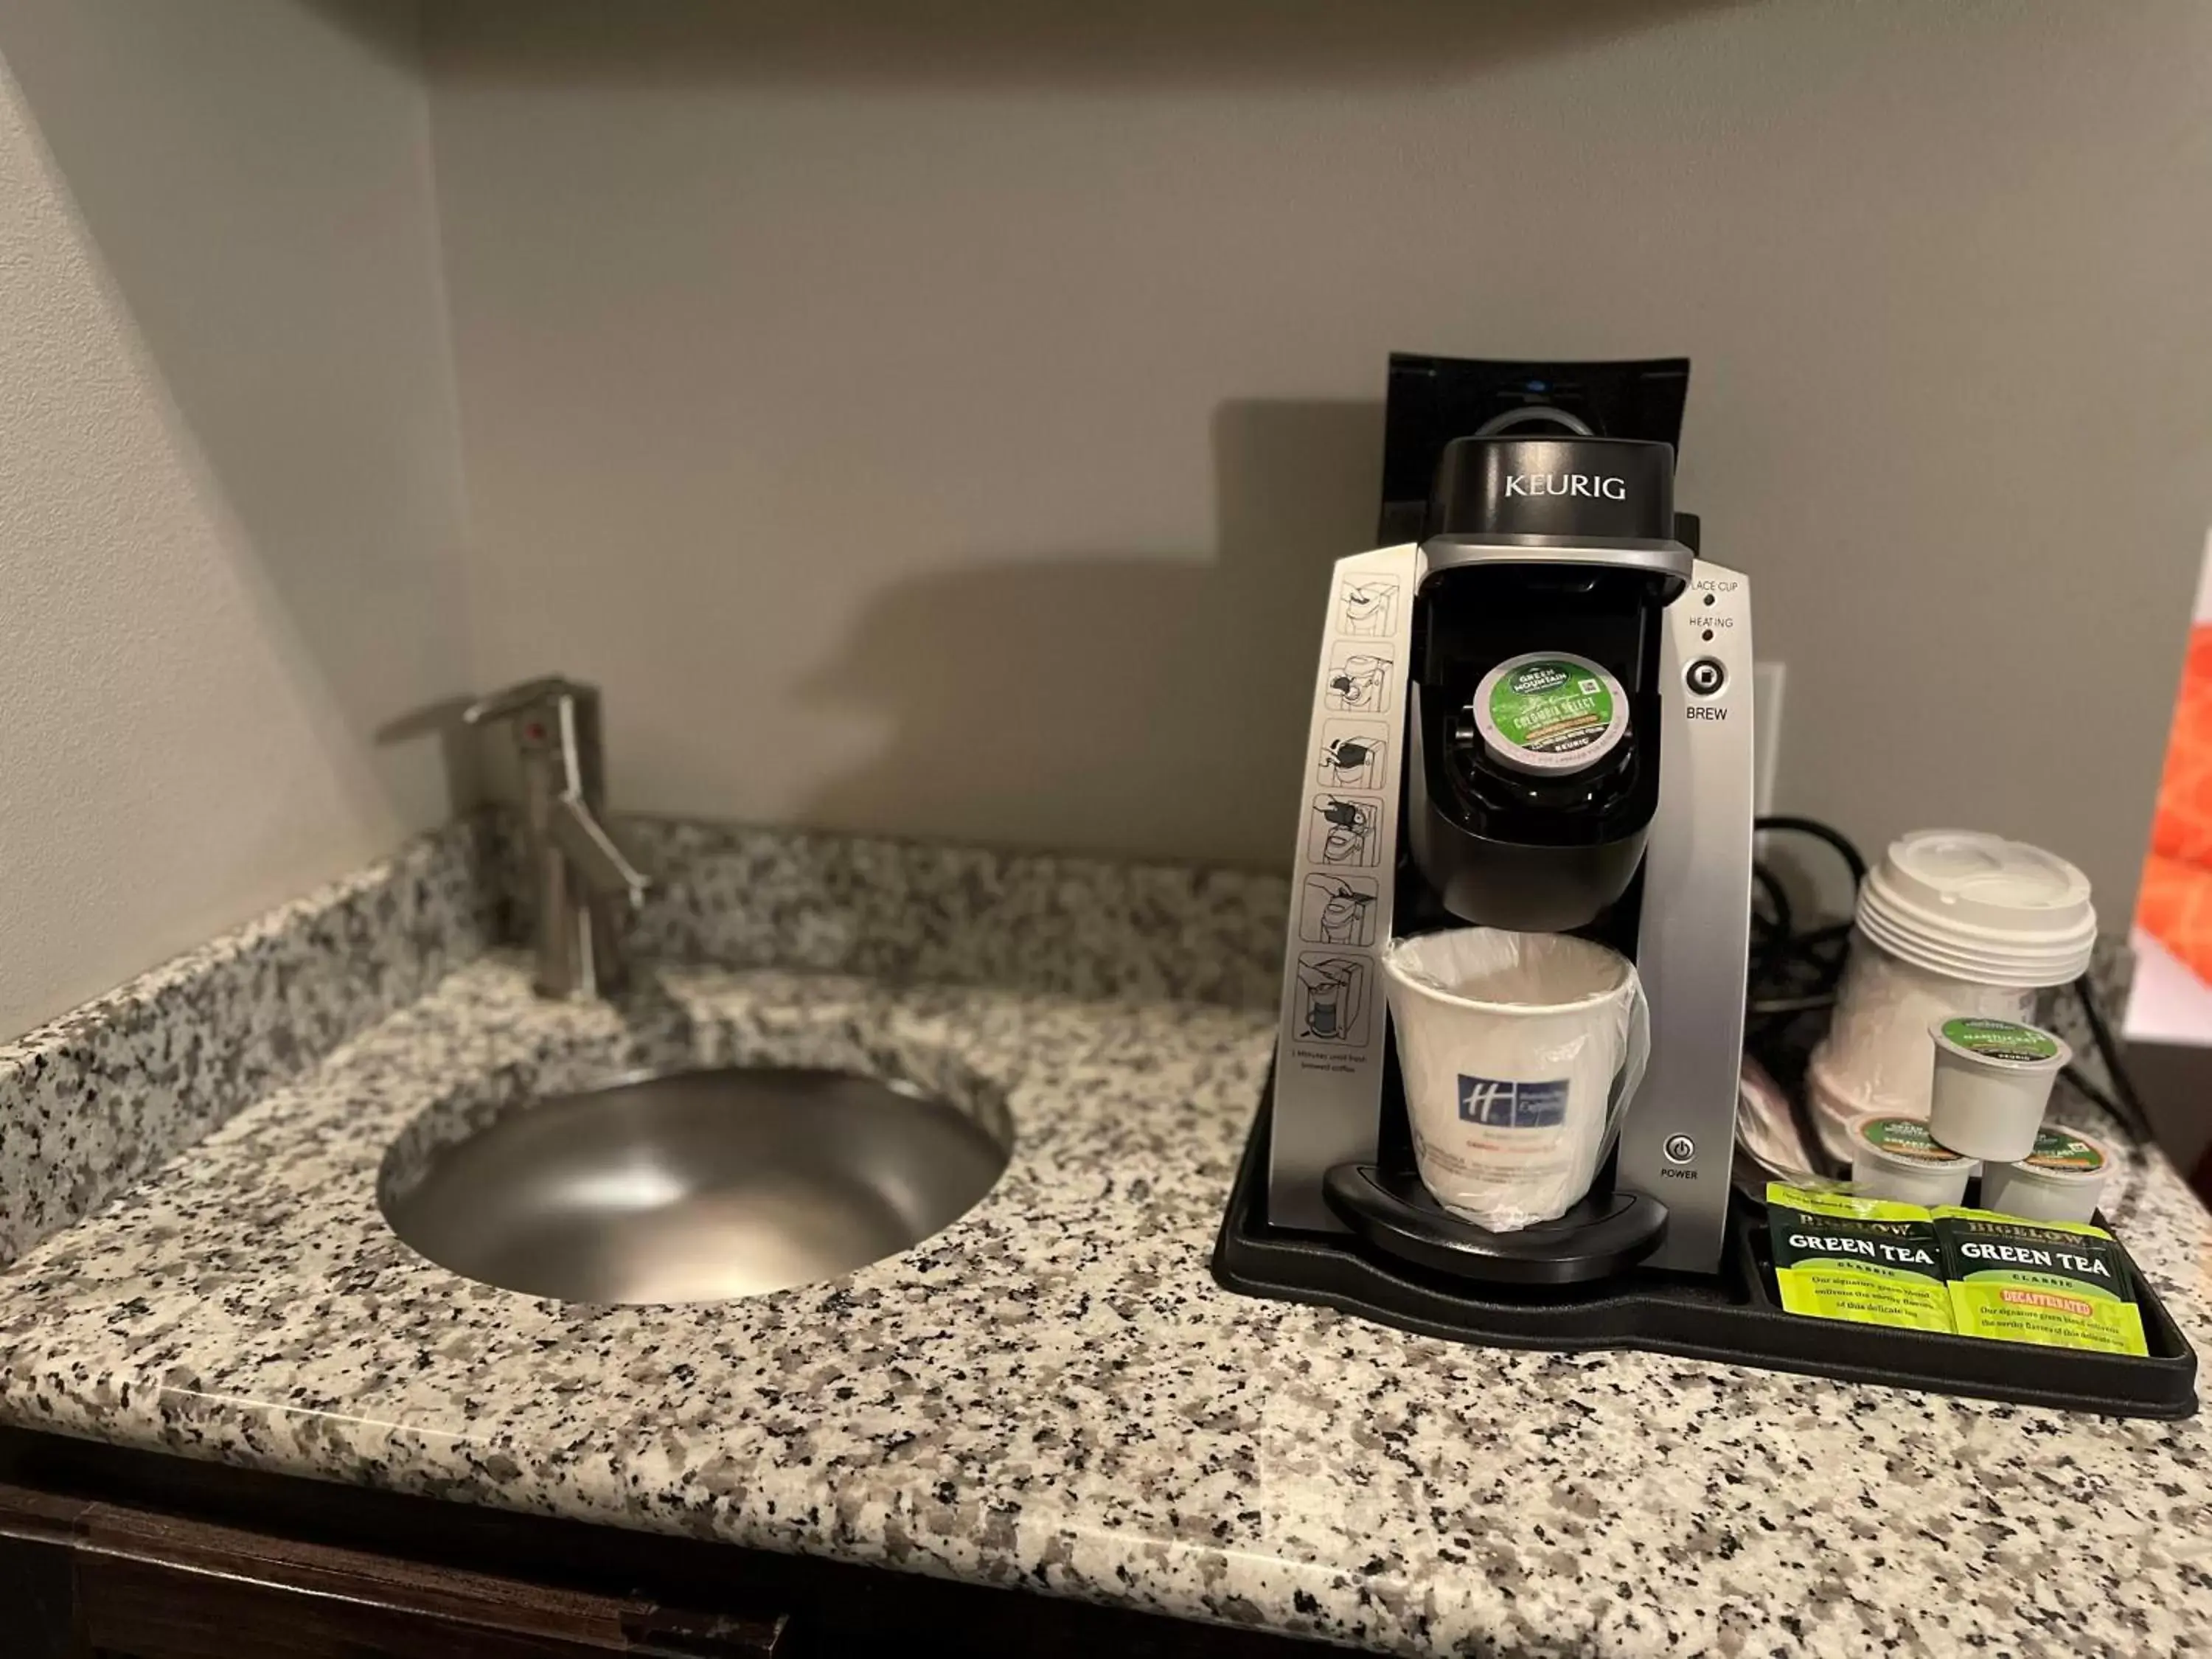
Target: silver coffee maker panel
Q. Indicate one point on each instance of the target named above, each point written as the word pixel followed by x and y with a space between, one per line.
pixel 1678 1139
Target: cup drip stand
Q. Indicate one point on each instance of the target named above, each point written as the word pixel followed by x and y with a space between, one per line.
pixel 1406 1265
pixel 1390 1210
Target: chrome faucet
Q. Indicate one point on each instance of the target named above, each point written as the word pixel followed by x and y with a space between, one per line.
pixel 576 869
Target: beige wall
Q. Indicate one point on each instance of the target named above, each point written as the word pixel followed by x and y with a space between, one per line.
pixel 936 419
pixel 230 505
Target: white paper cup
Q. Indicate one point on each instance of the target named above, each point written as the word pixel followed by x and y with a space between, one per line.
pixel 1874 1057
pixel 1991 1082
pixel 1519 1053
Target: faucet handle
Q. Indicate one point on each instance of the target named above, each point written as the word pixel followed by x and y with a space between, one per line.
pixel 595 855
pixel 547 691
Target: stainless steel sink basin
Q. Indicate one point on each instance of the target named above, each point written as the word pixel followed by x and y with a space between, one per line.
pixel 694 1186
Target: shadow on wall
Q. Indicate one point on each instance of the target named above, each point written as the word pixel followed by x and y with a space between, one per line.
pixel 1164 701
pixel 392 29
pixel 980 43
pixel 257 181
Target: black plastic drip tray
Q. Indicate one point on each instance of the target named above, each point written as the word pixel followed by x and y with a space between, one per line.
pixel 1735 1317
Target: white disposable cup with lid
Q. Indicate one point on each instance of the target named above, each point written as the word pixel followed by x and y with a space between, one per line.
pixel 1519 1052
pixel 1951 922
pixel 1875 1056
pixel 1895 1157
pixel 2062 1179
pixel 1832 1116
pixel 1991 1082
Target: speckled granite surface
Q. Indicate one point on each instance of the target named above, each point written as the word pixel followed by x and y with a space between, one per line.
pixel 1052 1393
pixel 95 1099
pixel 746 897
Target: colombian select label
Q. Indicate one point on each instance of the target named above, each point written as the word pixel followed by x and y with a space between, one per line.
pixel 1999 1039
pixel 2058 1282
pixel 1550 711
pixel 1865 1259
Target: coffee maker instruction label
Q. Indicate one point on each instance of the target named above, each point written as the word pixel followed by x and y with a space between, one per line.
pixel 1330 1055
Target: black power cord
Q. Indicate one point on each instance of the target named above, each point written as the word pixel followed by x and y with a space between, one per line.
pixel 1784 823
pixel 2123 1103
pixel 1795 975
pixel 1794 971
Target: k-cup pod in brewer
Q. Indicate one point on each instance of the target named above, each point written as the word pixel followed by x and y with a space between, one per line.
pixel 1992 1080
pixel 1520 1052
pixel 2062 1179
pixel 1550 712
pixel 1896 1159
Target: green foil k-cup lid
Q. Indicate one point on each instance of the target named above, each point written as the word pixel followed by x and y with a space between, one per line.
pixel 1550 712
pixel 1982 1038
pixel 2061 1155
pixel 1905 1138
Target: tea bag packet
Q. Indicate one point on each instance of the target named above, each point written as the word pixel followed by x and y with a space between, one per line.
pixel 2062 1284
pixel 1871 1261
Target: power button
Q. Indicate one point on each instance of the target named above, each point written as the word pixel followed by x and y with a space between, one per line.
pixel 1705 675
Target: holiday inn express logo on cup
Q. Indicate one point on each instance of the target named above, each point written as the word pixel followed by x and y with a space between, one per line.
pixel 1498 1103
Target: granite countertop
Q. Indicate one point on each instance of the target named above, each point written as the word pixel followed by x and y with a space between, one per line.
pixel 1052 1393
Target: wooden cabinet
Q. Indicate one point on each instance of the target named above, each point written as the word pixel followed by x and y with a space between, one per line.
pixel 121 1583
pixel 114 1554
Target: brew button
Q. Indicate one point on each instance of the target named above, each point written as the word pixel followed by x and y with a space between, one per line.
pixel 1706 677
pixel 1680 1149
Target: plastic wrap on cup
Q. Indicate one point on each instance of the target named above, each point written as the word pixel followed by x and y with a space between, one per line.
pixel 1519 1052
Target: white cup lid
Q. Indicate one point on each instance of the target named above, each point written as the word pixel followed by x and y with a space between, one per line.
pixel 1978 968
pixel 1979 908
pixel 1953 877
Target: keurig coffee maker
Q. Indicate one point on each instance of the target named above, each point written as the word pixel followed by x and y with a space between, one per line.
pixel 1544 568
pixel 1503 1103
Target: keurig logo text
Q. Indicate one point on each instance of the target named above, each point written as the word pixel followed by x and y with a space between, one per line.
pixel 1565 483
